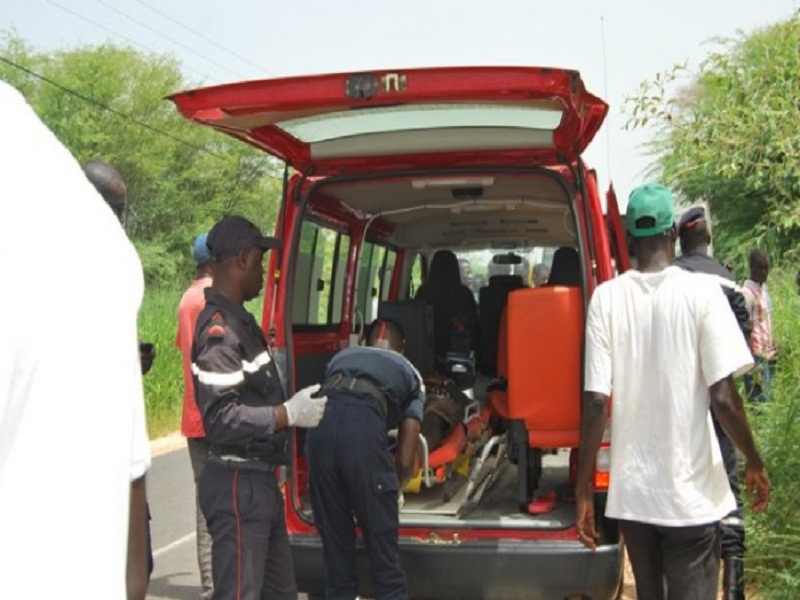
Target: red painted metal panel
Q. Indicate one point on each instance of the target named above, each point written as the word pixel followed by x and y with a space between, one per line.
pixel 274 99
pixel 617 232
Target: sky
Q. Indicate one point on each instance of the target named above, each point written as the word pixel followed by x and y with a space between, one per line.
pixel 615 44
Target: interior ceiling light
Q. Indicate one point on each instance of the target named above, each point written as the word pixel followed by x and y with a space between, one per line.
pixel 451 182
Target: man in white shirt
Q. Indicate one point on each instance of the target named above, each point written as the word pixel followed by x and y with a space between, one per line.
pixel 73 441
pixel 666 344
pixel 107 180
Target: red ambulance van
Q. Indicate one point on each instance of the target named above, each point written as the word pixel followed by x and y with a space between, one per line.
pixel 383 169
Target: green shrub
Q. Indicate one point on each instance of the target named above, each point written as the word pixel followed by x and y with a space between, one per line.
pixel 773 538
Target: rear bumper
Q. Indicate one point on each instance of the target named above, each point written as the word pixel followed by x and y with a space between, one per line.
pixel 502 569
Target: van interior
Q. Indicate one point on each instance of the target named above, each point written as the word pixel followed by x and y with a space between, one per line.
pixel 519 258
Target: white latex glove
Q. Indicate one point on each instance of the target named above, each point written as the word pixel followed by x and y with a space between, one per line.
pixel 304 411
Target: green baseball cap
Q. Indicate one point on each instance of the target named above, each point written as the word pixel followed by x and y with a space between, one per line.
pixel 652 203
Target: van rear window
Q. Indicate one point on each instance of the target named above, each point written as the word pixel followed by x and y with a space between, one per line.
pixel 417 128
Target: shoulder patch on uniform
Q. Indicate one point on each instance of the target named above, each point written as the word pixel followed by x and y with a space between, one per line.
pixel 217 329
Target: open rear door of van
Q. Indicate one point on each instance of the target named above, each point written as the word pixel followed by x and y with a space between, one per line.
pixel 380 120
pixel 616 231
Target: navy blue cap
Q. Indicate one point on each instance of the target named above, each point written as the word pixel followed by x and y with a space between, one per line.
pixel 691 217
pixel 233 234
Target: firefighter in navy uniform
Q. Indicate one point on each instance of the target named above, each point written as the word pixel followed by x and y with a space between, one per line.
pixel 372 390
pixel 245 416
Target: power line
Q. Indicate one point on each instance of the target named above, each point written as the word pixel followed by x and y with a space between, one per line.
pixel 107 108
pixel 116 33
pixel 203 37
pixel 168 38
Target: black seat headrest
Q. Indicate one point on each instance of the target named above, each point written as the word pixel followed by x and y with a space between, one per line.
pixel 444 273
pixel 566 269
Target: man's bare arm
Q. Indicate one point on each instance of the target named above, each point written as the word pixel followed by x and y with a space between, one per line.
pixel 138 573
pixel 729 410
pixel 594 415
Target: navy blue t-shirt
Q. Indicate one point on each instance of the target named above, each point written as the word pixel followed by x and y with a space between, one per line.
pixel 389 371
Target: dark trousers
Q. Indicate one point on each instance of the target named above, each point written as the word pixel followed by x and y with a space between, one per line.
pixel 677 563
pixel 733 525
pixel 352 474
pixel 250 551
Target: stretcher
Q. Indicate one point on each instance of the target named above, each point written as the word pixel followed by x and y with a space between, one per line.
pixel 470 451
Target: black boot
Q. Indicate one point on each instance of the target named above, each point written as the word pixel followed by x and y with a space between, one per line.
pixel 733 579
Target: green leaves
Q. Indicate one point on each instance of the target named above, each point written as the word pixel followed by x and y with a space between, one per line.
pixel 773 537
pixel 730 134
pixel 107 102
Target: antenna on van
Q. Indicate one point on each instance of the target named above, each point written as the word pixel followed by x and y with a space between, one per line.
pixel 605 94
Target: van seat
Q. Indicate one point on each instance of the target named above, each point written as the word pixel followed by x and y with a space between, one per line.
pixel 566 267
pixel 544 364
pixel 493 298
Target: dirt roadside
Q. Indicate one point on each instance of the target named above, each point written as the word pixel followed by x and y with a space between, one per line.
pixel 167 443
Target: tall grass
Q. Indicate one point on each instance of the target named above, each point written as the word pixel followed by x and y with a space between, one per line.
pixel 773 538
pixel 163 385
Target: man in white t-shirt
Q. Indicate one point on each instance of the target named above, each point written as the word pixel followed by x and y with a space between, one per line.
pixel 73 442
pixel 666 344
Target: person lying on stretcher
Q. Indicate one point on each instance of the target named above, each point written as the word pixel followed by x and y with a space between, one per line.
pixel 445 408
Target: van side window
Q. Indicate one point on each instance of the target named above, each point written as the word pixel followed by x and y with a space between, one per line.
pixel 417 276
pixel 319 278
pixel 375 269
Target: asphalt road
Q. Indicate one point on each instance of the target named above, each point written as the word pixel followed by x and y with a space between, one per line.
pixel 170 492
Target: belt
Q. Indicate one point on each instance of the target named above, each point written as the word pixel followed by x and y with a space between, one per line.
pixel 264 452
pixel 237 462
pixel 359 385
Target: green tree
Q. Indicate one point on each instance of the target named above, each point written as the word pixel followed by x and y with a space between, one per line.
pixel 732 136
pixel 181 178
